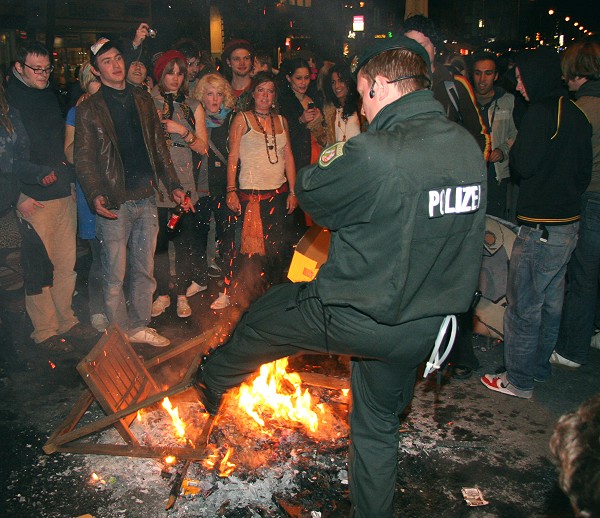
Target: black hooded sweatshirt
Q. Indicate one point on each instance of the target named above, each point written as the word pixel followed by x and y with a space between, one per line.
pixel 552 155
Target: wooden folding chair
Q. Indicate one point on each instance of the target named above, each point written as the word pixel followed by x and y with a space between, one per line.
pixel 120 382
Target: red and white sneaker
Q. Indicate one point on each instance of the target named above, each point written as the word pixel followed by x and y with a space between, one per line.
pixel 500 383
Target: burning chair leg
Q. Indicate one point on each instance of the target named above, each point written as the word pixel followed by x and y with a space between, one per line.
pixel 121 384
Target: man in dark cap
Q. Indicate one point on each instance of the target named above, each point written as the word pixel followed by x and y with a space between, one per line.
pixel 552 161
pixel 120 157
pixel 406 233
pixel 136 57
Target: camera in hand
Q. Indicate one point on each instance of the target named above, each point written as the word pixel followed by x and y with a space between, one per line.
pixel 152 32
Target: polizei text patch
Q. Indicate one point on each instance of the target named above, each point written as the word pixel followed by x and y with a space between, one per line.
pixel 454 200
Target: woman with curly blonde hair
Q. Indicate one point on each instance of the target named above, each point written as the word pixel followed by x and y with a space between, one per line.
pixel 216 96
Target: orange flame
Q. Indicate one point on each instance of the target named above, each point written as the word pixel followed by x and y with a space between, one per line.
pixel 225 467
pixel 174 413
pixel 280 392
pixel 169 459
pixel 210 461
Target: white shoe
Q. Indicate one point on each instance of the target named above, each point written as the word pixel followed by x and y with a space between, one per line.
pixel 595 344
pixel 183 307
pixel 561 361
pixel 159 306
pixel 149 336
pixel 214 270
pixel 194 288
pixel 222 302
pixel 99 322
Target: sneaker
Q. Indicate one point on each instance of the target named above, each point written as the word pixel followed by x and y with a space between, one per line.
pixel 462 372
pixel 222 301
pixel 195 288
pixel 149 336
pixel 56 344
pixel 500 383
pixel 561 361
pixel 595 343
pixel 160 305
pixel 214 270
pixel 81 332
pixel 99 322
pixel 183 307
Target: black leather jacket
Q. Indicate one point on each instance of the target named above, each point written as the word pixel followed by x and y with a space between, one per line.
pixel 98 164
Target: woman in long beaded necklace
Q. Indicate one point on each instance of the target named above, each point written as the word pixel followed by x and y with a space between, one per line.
pixel 262 189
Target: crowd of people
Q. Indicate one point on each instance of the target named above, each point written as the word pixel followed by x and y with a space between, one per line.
pixel 399 155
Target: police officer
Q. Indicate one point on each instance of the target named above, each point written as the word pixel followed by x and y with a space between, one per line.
pixel 406 234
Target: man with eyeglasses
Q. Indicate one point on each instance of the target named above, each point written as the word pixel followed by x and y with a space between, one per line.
pixel 47 210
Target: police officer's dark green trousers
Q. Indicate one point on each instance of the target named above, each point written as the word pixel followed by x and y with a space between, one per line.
pixel 289 320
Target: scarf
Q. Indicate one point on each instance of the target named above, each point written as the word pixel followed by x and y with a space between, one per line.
pixel 169 109
pixel 214 120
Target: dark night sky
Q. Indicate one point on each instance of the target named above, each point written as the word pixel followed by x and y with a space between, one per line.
pixel 586 12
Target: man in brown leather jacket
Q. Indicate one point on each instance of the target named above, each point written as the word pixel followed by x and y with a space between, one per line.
pixel 120 154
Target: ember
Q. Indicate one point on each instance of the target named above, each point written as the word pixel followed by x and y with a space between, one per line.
pixel 279 393
pixel 95 479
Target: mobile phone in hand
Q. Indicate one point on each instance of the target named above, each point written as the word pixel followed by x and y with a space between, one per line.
pixel 310 106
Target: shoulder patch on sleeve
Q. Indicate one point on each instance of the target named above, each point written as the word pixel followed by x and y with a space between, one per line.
pixel 331 153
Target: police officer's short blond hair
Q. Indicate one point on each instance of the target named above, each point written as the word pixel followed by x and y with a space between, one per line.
pixel 399 63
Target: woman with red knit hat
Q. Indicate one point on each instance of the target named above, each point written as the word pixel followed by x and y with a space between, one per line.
pixel 185 133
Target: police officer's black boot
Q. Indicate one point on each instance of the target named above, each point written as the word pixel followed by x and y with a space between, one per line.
pixel 210 399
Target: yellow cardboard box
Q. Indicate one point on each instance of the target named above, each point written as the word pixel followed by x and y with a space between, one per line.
pixel 310 254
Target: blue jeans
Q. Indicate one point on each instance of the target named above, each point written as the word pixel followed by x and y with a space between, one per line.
pixel 577 324
pixel 535 293
pixel 128 245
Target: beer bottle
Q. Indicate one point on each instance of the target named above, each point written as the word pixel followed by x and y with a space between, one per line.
pixel 178 212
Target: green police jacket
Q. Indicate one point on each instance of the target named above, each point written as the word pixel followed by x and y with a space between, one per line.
pixel 405 203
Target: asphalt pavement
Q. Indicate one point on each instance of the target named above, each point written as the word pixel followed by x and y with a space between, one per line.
pixel 456 434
